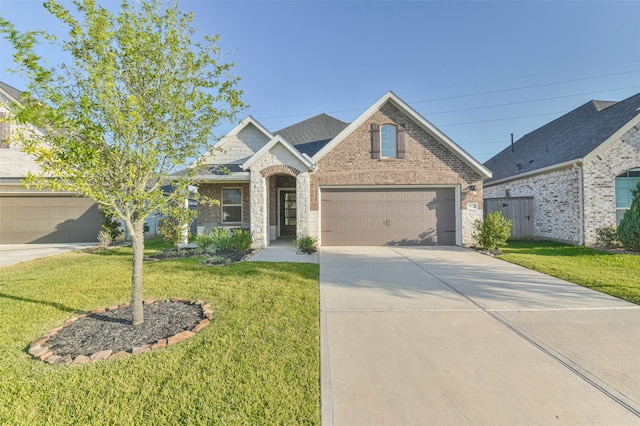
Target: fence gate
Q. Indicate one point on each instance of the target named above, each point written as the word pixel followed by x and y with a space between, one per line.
pixel 519 210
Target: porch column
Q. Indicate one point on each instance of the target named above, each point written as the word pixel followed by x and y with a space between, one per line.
pixel 303 204
pixel 259 216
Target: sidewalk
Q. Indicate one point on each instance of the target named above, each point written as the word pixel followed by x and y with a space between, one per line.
pixel 11 254
pixel 283 251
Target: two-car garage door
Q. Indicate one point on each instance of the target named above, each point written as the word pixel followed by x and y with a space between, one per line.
pixel 388 216
pixel 48 219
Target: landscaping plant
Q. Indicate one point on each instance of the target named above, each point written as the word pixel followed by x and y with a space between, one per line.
pixel 492 232
pixel 241 240
pixel 306 244
pixel 629 228
pixel 135 99
pixel 607 237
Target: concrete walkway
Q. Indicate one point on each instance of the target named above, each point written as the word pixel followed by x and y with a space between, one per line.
pixel 11 254
pixel 283 251
pixel 446 336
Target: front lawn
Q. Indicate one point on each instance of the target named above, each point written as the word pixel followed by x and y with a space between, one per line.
pixel 256 363
pixel 613 274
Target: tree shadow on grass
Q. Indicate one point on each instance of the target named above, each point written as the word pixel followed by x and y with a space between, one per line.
pixel 41 302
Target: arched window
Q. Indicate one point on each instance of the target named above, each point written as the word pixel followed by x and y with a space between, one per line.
pixel 388 147
pixel 624 184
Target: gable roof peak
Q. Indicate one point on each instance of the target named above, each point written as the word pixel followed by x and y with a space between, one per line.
pixel 600 105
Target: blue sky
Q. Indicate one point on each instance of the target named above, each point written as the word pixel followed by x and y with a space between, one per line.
pixel 478 70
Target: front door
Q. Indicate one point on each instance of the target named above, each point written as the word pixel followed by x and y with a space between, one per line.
pixel 287 213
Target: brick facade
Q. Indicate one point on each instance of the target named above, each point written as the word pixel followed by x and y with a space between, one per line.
pixel 561 197
pixel 210 216
pixel 426 162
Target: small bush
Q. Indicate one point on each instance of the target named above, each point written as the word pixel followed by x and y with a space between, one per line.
pixel 492 232
pixel 607 237
pixel 306 244
pixel 629 228
pixel 205 242
pixel 241 240
pixel 172 231
pixel 111 225
pixel 105 239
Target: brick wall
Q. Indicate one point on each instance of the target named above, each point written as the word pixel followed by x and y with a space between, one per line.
pixel 14 162
pixel 210 216
pixel 599 181
pixel 556 202
pixel 426 162
pixel 556 194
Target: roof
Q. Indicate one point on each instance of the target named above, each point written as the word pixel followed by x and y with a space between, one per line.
pixel 418 119
pixel 568 138
pixel 9 93
pixel 312 134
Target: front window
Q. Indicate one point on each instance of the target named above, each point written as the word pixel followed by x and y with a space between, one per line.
pixel 231 205
pixel 388 148
pixel 624 184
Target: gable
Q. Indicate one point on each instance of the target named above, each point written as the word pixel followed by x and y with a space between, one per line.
pixel 409 115
pixel 238 147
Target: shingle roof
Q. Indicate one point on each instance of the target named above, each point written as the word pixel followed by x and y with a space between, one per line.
pixel 310 135
pixel 11 91
pixel 570 137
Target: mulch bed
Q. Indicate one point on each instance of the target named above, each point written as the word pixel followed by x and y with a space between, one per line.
pixel 108 333
pixel 218 258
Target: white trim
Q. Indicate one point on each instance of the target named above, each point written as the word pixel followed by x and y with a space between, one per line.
pixel 421 121
pixel 389 186
pixel 278 232
pixel 238 177
pixel 559 166
pixel 273 142
pixel 613 138
pixel 458 214
pixel 222 205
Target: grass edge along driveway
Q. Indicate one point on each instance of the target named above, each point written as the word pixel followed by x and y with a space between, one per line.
pixel 256 363
pixel 612 274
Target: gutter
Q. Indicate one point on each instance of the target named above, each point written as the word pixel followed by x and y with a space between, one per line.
pixel 577 165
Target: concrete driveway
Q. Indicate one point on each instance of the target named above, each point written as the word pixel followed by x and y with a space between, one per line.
pixel 446 336
pixel 15 253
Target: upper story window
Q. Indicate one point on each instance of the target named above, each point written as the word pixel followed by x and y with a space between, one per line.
pixel 4 130
pixel 388 144
pixel 387 141
pixel 624 184
pixel 231 205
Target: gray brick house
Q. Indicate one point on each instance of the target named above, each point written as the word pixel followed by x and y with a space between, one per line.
pixel 577 171
pixel 29 215
pixel 388 178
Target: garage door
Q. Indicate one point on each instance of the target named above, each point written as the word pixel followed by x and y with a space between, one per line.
pixel 37 219
pixel 388 216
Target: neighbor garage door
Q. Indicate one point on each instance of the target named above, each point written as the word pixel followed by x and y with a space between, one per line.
pixel 52 219
pixel 377 216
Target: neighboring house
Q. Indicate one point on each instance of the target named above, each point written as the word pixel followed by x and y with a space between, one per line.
pixel 31 216
pixel 388 178
pixel 577 171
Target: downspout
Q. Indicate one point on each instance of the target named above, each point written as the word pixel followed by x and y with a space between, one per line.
pixel 578 166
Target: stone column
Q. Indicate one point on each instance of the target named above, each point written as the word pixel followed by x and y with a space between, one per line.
pixel 259 217
pixel 303 204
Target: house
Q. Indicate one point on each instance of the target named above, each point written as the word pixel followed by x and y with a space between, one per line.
pixel 388 178
pixel 26 214
pixel 576 172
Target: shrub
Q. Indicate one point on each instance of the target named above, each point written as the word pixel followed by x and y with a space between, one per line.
pixel 607 237
pixel 205 242
pixel 629 228
pixel 172 231
pixel 111 225
pixel 221 239
pixel 105 239
pixel 492 232
pixel 241 240
pixel 306 244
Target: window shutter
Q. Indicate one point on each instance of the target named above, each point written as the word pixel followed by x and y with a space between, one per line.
pixel 400 140
pixel 375 141
pixel 4 130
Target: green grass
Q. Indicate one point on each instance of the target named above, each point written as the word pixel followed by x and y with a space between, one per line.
pixel 256 363
pixel 614 274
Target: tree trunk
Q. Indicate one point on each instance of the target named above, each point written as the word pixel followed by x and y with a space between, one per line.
pixel 137 238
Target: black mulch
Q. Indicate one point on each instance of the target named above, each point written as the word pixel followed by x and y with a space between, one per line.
pixel 113 329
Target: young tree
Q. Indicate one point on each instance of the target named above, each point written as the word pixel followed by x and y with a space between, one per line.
pixel 629 228
pixel 136 99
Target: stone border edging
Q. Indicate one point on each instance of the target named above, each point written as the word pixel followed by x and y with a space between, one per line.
pixel 39 350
